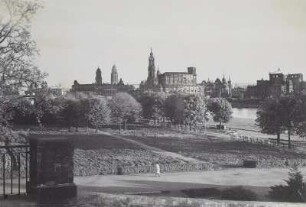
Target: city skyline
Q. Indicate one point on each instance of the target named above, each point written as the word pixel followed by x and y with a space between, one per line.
pixel 242 39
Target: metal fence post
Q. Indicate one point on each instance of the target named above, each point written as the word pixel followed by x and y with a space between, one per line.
pixel 3 173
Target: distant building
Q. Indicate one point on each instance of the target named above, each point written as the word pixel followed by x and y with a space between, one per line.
pixel 170 82
pixel 100 88
pixel 238 93
pixel 98 77
pixel 278 84
pixel 218 88
pixel 35 89
pixel 114 75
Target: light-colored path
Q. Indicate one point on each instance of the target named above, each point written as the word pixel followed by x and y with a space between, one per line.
pixel 259 178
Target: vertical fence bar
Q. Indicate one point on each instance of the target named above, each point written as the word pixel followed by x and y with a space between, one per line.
pixel 18 173
pixel 11 176
pixel 3 174
pixel 26 164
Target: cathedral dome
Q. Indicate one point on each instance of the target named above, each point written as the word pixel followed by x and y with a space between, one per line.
pixel 218 81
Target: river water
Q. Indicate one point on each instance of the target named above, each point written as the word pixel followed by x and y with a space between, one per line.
pixel 244 113
pixel 243 118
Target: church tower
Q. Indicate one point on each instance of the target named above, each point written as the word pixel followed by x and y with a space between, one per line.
pixel 151 70
pixel 114 76
pixel 98 77
pixel 230 87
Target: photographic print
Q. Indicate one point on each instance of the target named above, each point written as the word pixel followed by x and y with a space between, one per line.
pixel 153 103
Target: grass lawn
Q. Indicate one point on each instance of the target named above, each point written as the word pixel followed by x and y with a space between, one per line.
pixel 221 151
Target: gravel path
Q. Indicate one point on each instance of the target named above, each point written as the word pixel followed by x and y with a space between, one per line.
pixel 257 180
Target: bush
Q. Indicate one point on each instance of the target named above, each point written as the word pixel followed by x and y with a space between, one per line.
pixel 249 163
pixel 294 191
pixel 239 194
pixel 202 193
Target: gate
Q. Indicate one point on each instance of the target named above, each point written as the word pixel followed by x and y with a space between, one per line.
pixel 14 168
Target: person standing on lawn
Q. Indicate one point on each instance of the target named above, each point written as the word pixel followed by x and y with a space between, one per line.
pixel 157 170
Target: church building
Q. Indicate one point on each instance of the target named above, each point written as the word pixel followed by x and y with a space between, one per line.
pixel 170 82
pixel 100 88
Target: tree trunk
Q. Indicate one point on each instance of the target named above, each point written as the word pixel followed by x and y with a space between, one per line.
pixel 278 138
pixel 87 125
pixel 289 138
pixel 38 119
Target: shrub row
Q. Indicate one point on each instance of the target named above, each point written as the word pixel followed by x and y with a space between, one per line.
pixel 263 161
pixel 128 161
pixel 127 170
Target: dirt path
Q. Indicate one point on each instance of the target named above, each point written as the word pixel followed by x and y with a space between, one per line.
pixel 255 179
pixel 155 149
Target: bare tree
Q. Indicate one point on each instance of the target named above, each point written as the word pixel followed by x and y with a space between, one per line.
pixel 17 48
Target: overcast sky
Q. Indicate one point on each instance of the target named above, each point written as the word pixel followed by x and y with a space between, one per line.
pixel 244 39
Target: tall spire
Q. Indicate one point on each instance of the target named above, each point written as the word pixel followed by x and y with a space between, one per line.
pixel 151 69
pixel 114 75
pixel 98 76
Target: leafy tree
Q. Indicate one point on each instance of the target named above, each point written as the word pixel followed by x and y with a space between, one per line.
pixel 99 112
pixel 174 107
pixel 124 108
pixel 268 118
pixel 287 111
pixel 300 116
pixel 282 114
pixel 44 104
pixel 220 109
pixel 152 106
pixel 70 113
pixel 17 49
pixel 196 112
pixel 22 112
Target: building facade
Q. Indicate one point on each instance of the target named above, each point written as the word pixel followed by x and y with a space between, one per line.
pixel 100 88
pixel 218 88
pixel 170 82
pixel 278 84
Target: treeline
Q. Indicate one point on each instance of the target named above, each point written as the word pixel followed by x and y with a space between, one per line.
pixel 96 111
pixel 284 114
pixel 69 111
pixel 193 111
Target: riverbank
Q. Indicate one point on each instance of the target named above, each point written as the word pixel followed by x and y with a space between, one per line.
pixel 245 103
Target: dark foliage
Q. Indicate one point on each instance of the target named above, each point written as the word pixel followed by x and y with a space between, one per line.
pixel 294 191
pixel 238 193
